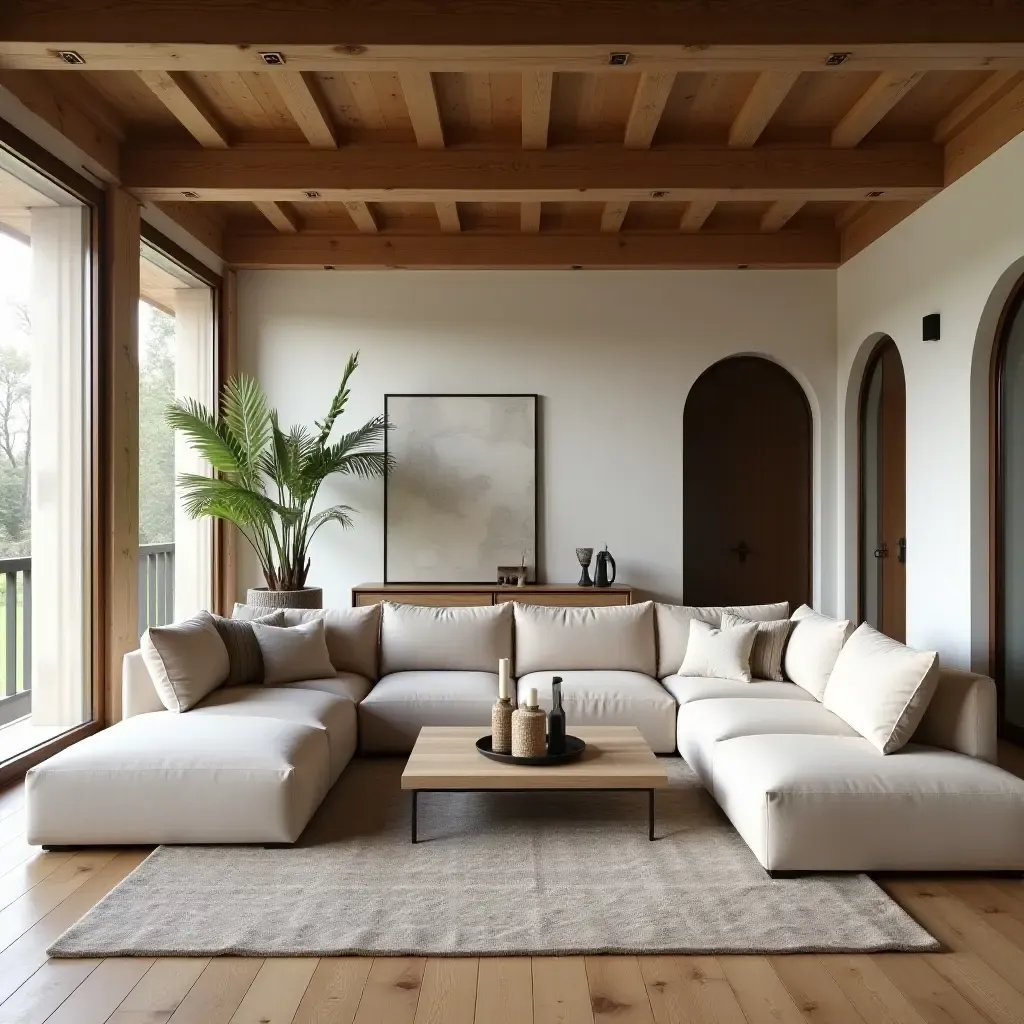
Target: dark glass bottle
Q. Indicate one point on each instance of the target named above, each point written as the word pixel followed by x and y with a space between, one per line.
pixel 556 719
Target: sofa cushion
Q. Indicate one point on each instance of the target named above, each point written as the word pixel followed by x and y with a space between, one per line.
pixel 291 653
pixel 245 662
pixel 830 803
pixel 704 723
pixel 335 715
pixel 814 645
pixel 962 715
pixel 169 778
pixel 611 698
pixel 686 689
pixel 769 644
pixel 422 639
pixel 352 634
pixel 551 638
pixel 719 653
pixel 186 660
pixel 672 622
pixel 400 704
pixel 881 687
pixel 343 684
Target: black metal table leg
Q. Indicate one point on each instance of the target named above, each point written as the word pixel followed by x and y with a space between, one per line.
pixel 650 815
pixel 415 793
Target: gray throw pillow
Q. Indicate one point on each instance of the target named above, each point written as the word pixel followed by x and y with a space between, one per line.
pixel 245 659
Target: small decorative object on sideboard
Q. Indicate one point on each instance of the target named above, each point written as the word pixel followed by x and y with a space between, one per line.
pixel 604 560
pixel 556 719
pixel 501 713
pixel 514 575
pixel 528 723
pixel 584 555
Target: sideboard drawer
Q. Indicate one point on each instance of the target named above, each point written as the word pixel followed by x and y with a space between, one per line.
pixel 436 600
pixel 583 598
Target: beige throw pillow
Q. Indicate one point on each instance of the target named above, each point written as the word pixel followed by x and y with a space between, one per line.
pixel 881 688
pixel 186 660
pixel 719 653
pixel 769 645
pixel 294 653
pixel 814 644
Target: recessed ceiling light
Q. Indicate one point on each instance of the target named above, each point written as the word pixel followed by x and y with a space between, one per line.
pixel 190 195
pixel 660 194
pixel 833 60
pixel 576 266
pixel 742 266
pixel 617 60
pixel 71 56
pixel 312 194
pixel 272 57
pixel 875 195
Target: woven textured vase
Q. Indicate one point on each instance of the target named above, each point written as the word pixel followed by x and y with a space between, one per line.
pixel 528 735
pixel 501 726
pixel 308 597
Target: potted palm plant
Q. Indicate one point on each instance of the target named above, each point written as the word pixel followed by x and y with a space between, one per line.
pixel 266 481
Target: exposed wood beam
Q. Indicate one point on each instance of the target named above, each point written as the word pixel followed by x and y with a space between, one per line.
pixel 305 102
pixel 493 23
pixel 696 214
pixel 536 108
pixel 1003 121
pixel 780 213
pixel 362 216
pixel 598 174
pixel 766 96
pixel 996 85
pixel 649 101
pixel 203 221
pixel 873 222
pixel 448 216
pixel 529 217
pixel 613 215
pixel 189 106
pixel 881 96
pixel 421 100
pixel 281 215
pixel 471 250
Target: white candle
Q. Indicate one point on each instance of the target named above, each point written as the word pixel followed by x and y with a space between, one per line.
pixel 503 678
pixel 531 697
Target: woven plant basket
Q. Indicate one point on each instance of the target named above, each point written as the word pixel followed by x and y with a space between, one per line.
pixel 263 598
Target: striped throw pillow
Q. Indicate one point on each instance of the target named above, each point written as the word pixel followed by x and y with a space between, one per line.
pixel 769 645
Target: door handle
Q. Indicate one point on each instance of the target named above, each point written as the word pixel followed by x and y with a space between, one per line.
pixel 741 551
pixel 883 551
pixel 901 555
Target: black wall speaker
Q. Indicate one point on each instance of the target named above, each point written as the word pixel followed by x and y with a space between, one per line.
pixel 930 327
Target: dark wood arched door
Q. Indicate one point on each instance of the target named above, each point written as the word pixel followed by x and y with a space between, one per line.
pixel 883 493
pixel 746 486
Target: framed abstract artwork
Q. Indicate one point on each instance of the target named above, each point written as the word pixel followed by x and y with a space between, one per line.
pixel 462 498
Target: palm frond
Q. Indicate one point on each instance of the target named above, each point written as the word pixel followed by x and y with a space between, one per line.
pixel 247 416
pixel 248 508
pixel 338 403
pixel 335 514
pixel 212 440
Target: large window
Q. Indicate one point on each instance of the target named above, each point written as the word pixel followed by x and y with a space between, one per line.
pixel 46 453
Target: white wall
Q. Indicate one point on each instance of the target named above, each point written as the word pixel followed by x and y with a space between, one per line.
pixel 612 354
pixel 959 256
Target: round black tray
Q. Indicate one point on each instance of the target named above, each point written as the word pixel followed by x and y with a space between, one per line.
pixel 574 748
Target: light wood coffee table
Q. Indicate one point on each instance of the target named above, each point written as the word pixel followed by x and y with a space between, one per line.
pixel 616 758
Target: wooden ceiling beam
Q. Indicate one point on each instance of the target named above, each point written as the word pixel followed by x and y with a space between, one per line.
pixel 1003 121
pixel 306 103
pixel 421 101
pixel 996 85
pixel 649 101
pixel 362 216
pixel 181 97
pixel 613 215
pixel 766 96
pixel 529 217
pixel 281 215
pixel 598 174
pixel 692 23
pixel 696 214
pixel 536 108
pixel 448 217
pixel 780 213
pixel 473 250
pixel 881 96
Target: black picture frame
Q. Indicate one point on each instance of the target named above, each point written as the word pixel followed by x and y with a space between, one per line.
pixel 536 487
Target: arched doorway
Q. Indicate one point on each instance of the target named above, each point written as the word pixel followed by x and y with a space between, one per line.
pixel 747 450
pixel 882 552
pixel 1008 509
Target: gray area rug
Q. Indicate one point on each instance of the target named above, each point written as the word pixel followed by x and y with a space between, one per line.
pixel 495 874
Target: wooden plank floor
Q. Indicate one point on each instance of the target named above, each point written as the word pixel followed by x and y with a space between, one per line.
pixel 979 980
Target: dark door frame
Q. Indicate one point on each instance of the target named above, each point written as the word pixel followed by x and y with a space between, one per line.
pixel 997 517
pixel 877 352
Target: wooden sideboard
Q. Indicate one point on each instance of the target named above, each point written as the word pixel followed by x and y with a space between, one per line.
pixel 465 594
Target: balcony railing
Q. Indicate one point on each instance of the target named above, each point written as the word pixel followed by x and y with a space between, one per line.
pixel 156 606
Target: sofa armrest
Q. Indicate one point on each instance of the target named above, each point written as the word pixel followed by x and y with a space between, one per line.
pixel 138 695
pixel 961 715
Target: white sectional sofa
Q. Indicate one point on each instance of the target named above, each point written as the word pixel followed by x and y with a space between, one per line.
pixel 804 789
